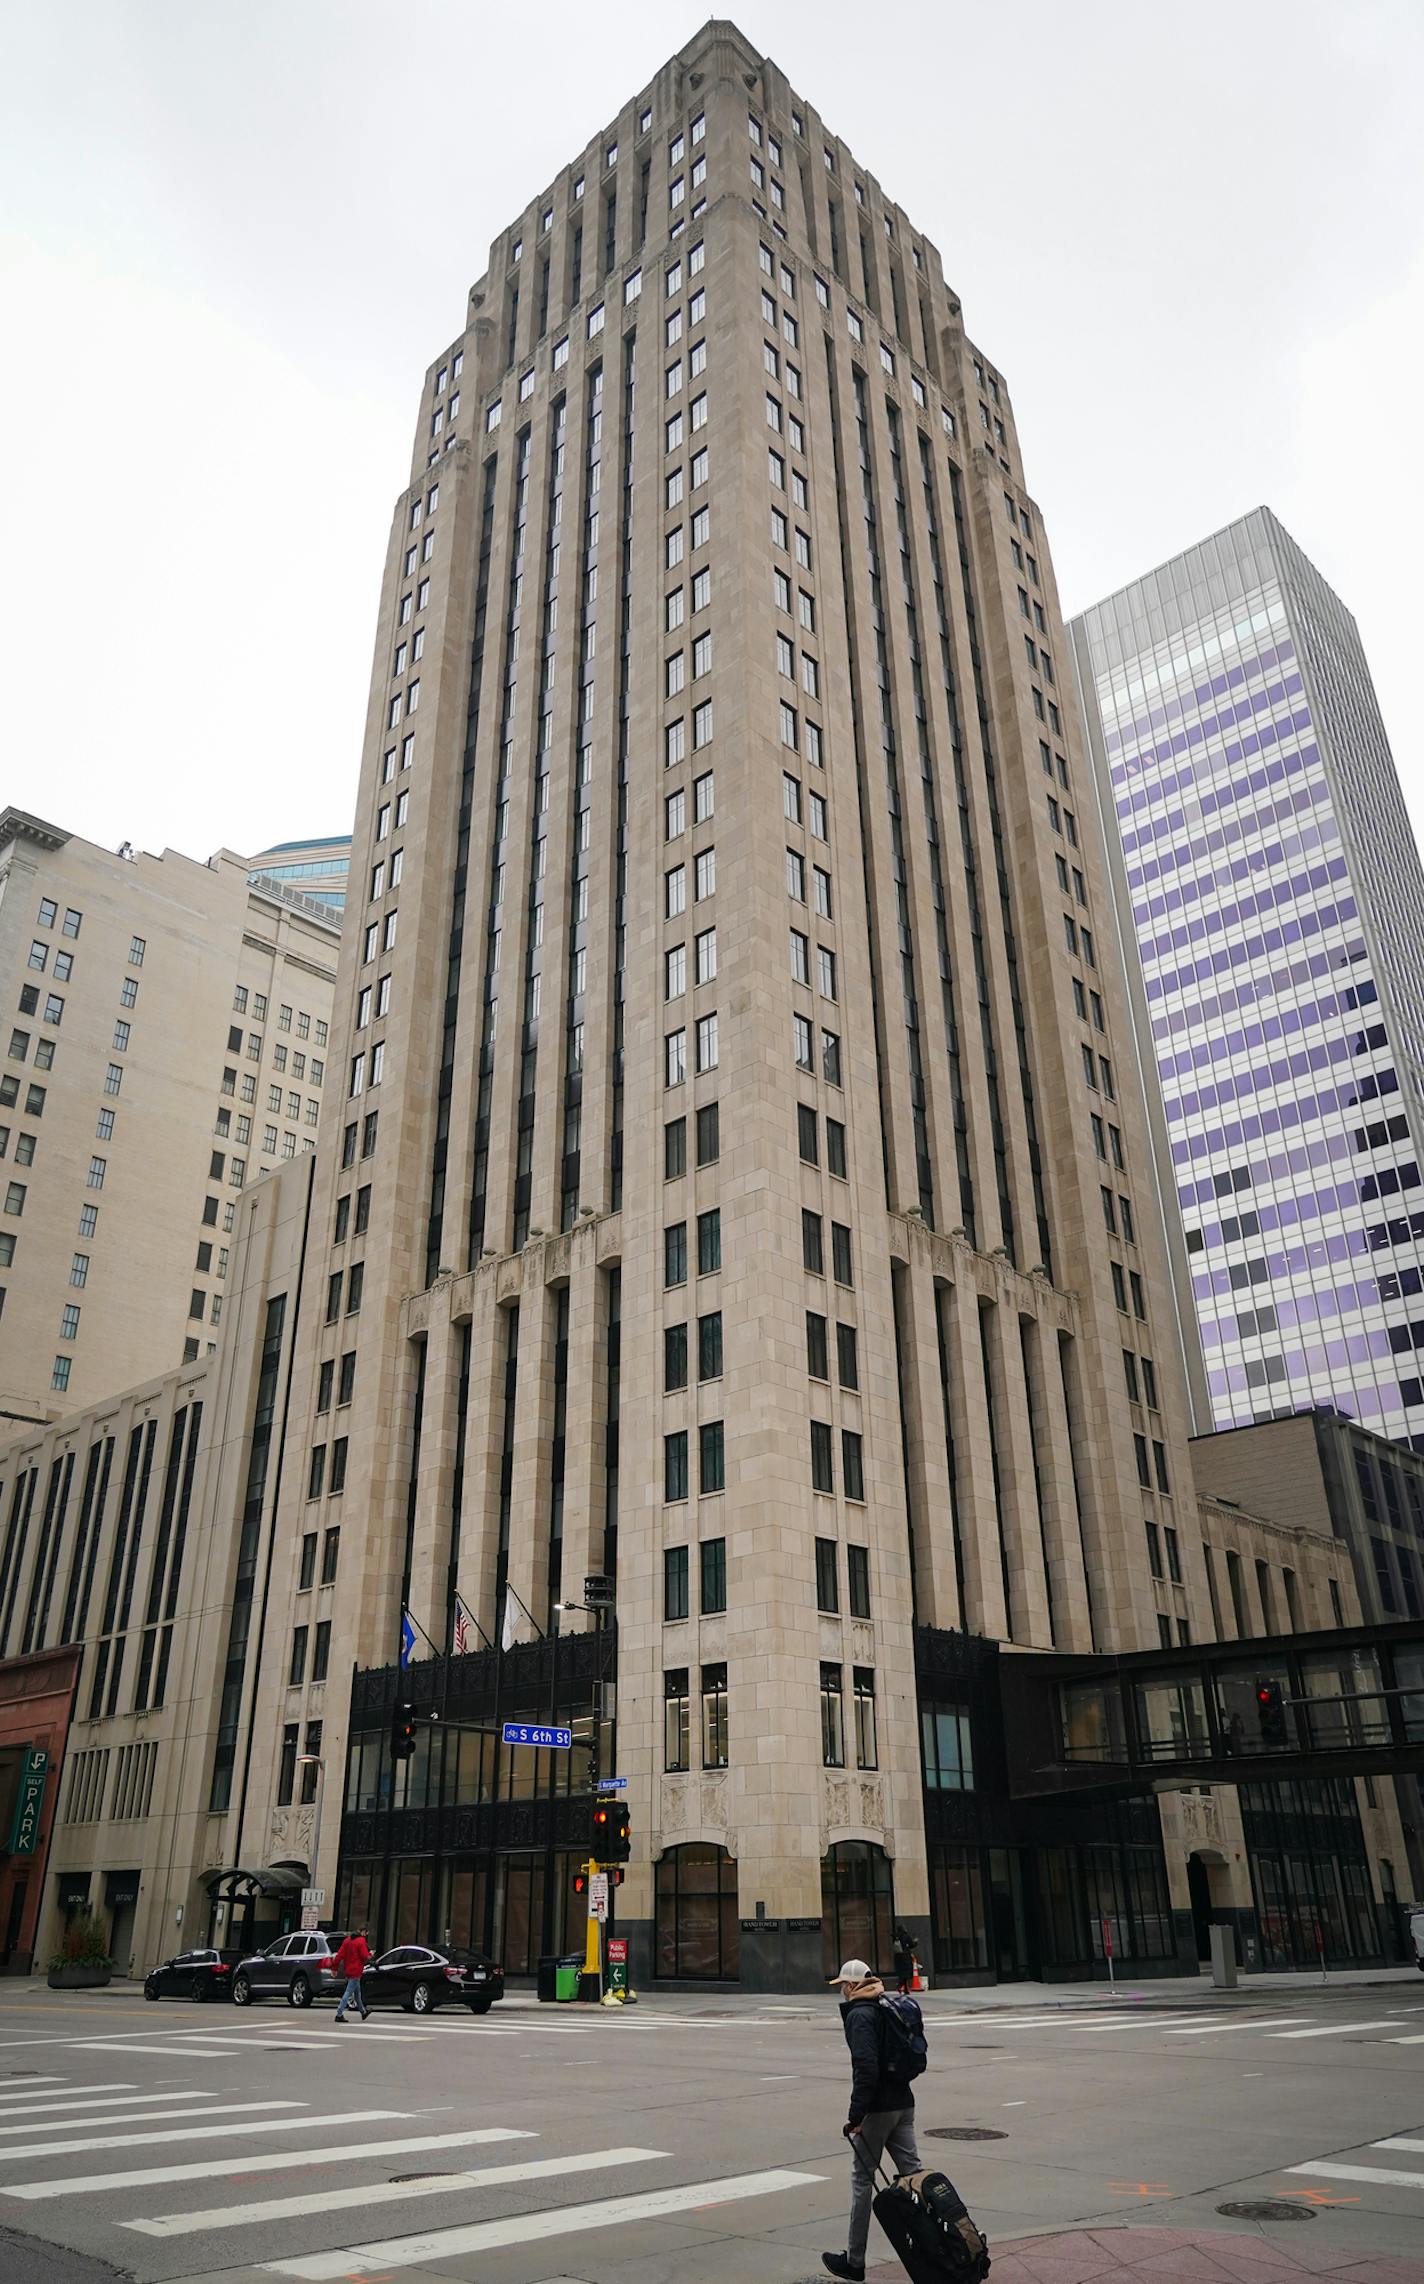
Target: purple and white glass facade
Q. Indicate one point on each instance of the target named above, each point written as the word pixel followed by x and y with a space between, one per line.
pixel 1267 874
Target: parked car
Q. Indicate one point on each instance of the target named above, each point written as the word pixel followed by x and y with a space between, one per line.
pixel 195 1975
pixel 420 1980
pixel 297 1968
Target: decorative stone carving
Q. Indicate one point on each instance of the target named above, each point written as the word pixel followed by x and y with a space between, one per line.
pixel 835 1813
pixel 714 1802
pixel 872 1802
pixel 674 1807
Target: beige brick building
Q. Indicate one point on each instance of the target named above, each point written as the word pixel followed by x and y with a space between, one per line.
pixel 741 1186
pixel 165 1041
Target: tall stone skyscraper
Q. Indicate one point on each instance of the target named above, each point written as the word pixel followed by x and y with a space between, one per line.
pixel 744 1187
pixel 1267 874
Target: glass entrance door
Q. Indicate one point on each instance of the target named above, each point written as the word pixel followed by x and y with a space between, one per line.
pixel 1007 1924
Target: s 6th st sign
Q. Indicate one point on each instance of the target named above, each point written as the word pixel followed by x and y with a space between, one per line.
pixel 532 1733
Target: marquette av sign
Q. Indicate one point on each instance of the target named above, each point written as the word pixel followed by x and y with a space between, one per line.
pixel 529 1733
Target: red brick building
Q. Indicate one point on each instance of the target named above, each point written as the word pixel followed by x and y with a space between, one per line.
pixel 36 1704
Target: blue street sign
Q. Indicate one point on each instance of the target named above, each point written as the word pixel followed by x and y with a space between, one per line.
pixel 531 1733
pixel 612 1783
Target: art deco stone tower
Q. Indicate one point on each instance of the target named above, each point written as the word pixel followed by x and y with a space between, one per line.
pixel 740 1176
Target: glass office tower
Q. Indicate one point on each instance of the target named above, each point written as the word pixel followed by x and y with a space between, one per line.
pixel 1265 868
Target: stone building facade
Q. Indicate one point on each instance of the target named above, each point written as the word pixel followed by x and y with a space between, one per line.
pixel 135 1557
pixel 741 1188
pixel 165 1042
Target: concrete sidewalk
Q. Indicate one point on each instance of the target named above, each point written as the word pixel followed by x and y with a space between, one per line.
pixel 1180 2256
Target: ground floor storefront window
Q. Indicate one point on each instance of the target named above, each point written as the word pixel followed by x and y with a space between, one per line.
pixel 698 1939
pixel 1309 1873
pixel 517 1906
pixel 857 1906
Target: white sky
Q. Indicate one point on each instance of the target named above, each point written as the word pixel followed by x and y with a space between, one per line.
pixel 232 236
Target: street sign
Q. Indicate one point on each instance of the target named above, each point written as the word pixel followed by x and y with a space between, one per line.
pixel 311 1915
pixel 598 1896
pixel 29 1799
pixel 530 1733
pixel 617 1963
pixel 313 1896
pixel 613 1784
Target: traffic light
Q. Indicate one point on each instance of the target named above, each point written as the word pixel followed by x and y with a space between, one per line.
pixel 612 1873
pixel 405 1725
pixel 1271 1715
pixel 610 1832
pixel 581 1883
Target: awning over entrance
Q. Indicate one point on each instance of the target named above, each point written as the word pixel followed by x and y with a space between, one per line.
pixel 243 1884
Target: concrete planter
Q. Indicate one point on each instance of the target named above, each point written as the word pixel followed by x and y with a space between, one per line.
pixel 80 1977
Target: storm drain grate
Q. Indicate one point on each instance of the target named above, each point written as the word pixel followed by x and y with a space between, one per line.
pixel 964 2133
pixel 1265 2209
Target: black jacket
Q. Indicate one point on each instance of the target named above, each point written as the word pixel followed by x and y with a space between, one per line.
pixel 872 2087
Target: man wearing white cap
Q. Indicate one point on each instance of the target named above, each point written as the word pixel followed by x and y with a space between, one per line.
pixel 882 2106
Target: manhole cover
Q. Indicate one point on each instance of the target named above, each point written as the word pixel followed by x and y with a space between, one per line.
pixel 964 2133
pixel 436 2175
pixel 1265 2209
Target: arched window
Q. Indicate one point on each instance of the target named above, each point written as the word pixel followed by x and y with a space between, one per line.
pixel 857 1905
pixel 697 1933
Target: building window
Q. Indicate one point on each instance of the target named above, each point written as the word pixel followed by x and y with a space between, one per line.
pixel 709 1242
pixel 712 1576
pixel 676 1720
pixel 858 1580
pixel 675 1483
pixel 832 1718
pixel 711 1458
pixel 674 1357
pixel 863 1682
pixel 714 1716
pixel 948 1748
pixel 827 1576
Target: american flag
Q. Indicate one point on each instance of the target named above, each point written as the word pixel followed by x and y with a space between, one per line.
pixel 462 1628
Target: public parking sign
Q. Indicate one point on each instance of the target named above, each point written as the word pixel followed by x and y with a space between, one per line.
pixel 531 1733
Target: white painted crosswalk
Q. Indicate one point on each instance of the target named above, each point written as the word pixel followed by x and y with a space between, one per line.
pixel 58 2121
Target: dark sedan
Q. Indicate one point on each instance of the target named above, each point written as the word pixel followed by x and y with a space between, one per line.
pixel 195 1975
pixel 420 1980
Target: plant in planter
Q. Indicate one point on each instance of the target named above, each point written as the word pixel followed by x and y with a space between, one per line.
pixel 82 1962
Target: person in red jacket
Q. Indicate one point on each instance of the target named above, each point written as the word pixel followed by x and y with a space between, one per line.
pixel 351 1961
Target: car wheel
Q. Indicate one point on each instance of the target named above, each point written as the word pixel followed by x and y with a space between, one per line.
pixel 242 1992
pixel 150 1990
pixel 299 1991
pixel 482 2004
pixel 197 1992
pixel 422 1998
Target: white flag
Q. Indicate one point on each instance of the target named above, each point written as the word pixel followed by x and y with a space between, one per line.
pixel 509 1636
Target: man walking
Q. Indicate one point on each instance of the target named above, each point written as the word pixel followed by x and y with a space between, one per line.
pixel 351 1961
pixel 882 2106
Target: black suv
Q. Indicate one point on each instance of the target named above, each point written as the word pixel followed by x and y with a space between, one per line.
pixel 296 1967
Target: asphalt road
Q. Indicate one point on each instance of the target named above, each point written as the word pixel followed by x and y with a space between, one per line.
pixel 692 2141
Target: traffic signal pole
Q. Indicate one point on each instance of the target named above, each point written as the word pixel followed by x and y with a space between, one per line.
pixel 593 1943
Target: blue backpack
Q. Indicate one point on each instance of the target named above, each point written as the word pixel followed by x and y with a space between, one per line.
pixel 904 2047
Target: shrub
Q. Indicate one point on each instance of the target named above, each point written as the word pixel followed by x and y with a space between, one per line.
pixel 83 1943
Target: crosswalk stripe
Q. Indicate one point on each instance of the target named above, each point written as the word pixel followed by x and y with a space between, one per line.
pixel 1210 2029
pixel 46 2121
pixel 50 2094
pixel 1399 2141
pixel 1140 2022
pixel 382 2036
pixel 1336 2029
pixel 1414 2040
pixel 1377 2176
pixel 198 2132
pixel 269 2161
pixel 529 2228
pixel 267 2045
pixel 21 2093
pixel 388 2192
pixel 107 2046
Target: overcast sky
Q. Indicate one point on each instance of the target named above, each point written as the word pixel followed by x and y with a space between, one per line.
pixel 232 236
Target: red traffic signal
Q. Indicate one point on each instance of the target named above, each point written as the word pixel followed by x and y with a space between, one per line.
pixel 1271 1714
pixel 610 1832
pixel 405 1725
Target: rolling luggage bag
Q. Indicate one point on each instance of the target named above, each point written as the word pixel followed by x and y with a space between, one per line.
pixel 928 2224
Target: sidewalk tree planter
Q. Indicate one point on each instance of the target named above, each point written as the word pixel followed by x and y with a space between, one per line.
pixel 82 1962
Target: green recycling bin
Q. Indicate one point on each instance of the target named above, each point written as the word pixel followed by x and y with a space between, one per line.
pixel 566 1981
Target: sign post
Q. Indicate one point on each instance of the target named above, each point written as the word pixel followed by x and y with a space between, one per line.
pixel 29 1800
pixel 1108 1953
